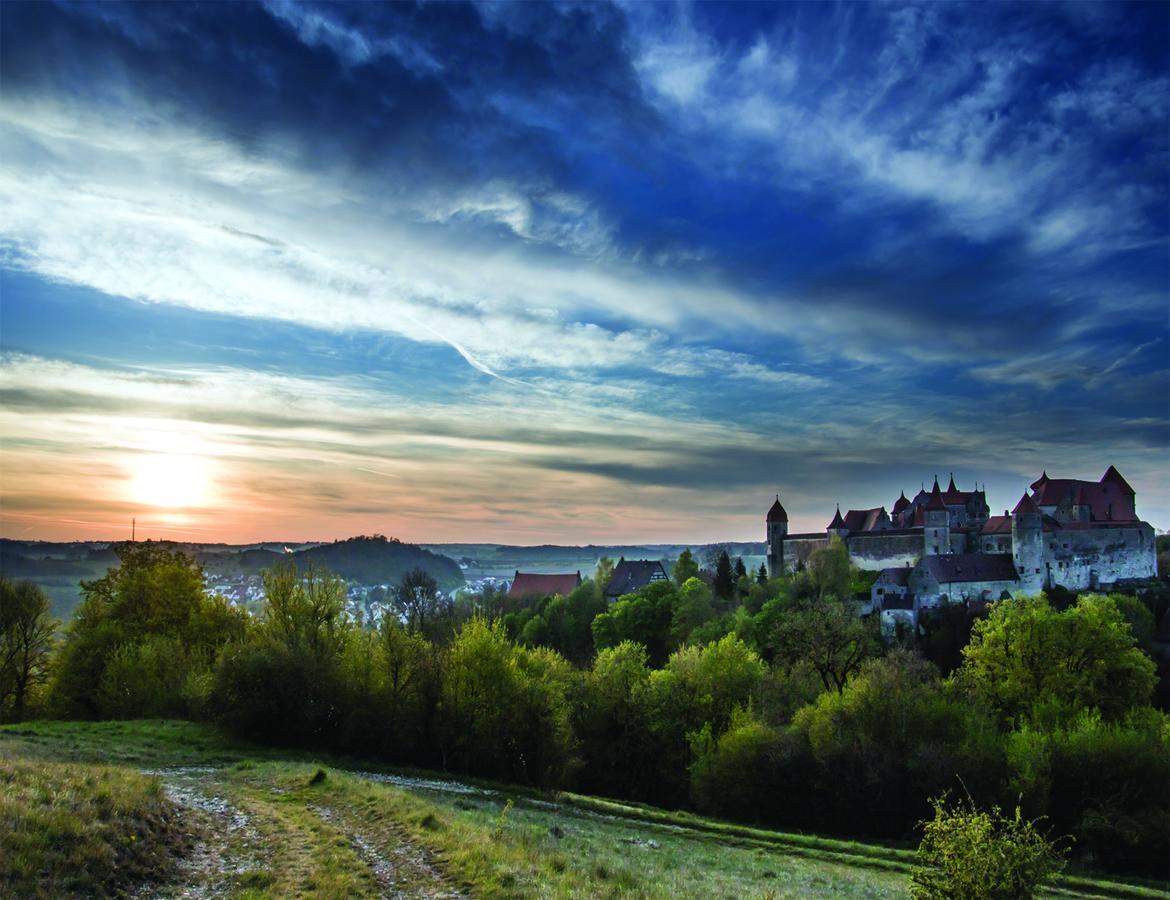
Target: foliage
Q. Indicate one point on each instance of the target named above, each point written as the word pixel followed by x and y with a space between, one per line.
pixel 828 635
pixel 603 573
pixel 724 584
pixel 692 609
pixel 685 567
pixel 644 617
pixel 26 640
pixel 504 709
pixel 893 737
pixel 418 602
pixel 967 854
pixel 611 718
pixel 1026 655
pixel 155 593
pixel 829 570
pixel 374 559
pixel 563 624
pixel 1107 784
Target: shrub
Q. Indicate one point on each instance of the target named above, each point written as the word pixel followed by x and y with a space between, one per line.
pixel 966 854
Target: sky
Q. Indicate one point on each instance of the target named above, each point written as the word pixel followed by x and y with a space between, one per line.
pixel 570 273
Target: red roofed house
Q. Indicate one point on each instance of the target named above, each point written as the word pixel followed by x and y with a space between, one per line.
pixel 531 584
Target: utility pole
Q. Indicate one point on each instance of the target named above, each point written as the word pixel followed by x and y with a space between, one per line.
pixel 133 529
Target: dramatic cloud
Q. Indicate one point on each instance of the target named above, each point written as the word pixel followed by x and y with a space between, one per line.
pixel 557 272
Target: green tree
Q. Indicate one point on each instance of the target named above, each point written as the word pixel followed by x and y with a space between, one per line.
pixel 603 573
pixel 503 710
pixel 829 570
pixel 155 592
pixel 968 854
pixel 724 579
pixel 1025 656
pixel 26 640
pixel 740 568
pixel 644 617
pixel 829 636
pixel 611 717
pixel 692 608
pixel 762 574
pixel 304 611
pixel 684 568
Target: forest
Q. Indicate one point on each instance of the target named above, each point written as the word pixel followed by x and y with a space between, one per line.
pixel 765 700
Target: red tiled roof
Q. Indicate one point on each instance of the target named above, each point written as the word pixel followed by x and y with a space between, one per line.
pixel 527 583
pixel 1026 505
pixel 863 519
pixel 936 498
pixel 1111 474
pixel 837 521
pixel 1039 481
pixel 998 525
pixel 901 503
pixel 1110 500
pixel 777 513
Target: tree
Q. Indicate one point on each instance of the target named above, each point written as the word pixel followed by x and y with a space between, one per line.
pixel 724 580
pixel 1025 656
pixel 417 600
pixel 762 575
pixel 305 611
pixel 684 567
pixel 827 635
pixel 155 594
pixel 26 640
pixel 740 568
pixel 643 617
pixel 691 610
pixel 966 854
pixel 829 570
pixel 603 573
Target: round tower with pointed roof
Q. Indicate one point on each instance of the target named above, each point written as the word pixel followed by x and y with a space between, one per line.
pixel 777 522
pixel 1028 544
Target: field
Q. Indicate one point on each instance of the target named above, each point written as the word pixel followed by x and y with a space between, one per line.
pixel 167 809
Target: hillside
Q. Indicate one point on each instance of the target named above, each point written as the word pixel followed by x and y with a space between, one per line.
pixel 379 560
pixel 262 823
pixel 58 568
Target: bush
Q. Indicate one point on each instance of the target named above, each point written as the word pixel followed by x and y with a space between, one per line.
pixel 966 854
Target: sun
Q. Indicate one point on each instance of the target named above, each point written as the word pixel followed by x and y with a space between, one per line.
pixel 170 481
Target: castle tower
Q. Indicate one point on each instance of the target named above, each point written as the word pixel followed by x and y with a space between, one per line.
pixel 1028 545
pixel 838 526
pixel 936 535
pixel 777 530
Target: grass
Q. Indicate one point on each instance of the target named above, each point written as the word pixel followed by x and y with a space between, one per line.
pixel 80 828
pixel 288 824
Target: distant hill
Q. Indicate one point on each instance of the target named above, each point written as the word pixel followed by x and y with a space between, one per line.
pixel 379 560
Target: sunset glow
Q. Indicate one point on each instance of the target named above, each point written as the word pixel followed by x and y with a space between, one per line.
pixel 302 271
pixel 170 481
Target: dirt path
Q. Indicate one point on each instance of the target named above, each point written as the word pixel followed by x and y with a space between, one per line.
pixel 227 846
pixel 248 837
pixel 402 869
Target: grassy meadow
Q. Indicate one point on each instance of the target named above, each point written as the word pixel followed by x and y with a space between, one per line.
pixel 167 808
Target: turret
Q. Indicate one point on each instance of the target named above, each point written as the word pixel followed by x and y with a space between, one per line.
pixel 936 533
pixel 1028 545
pixel 837 526
pixel 777 522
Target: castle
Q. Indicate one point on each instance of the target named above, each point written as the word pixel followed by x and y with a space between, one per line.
pixel 945 545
